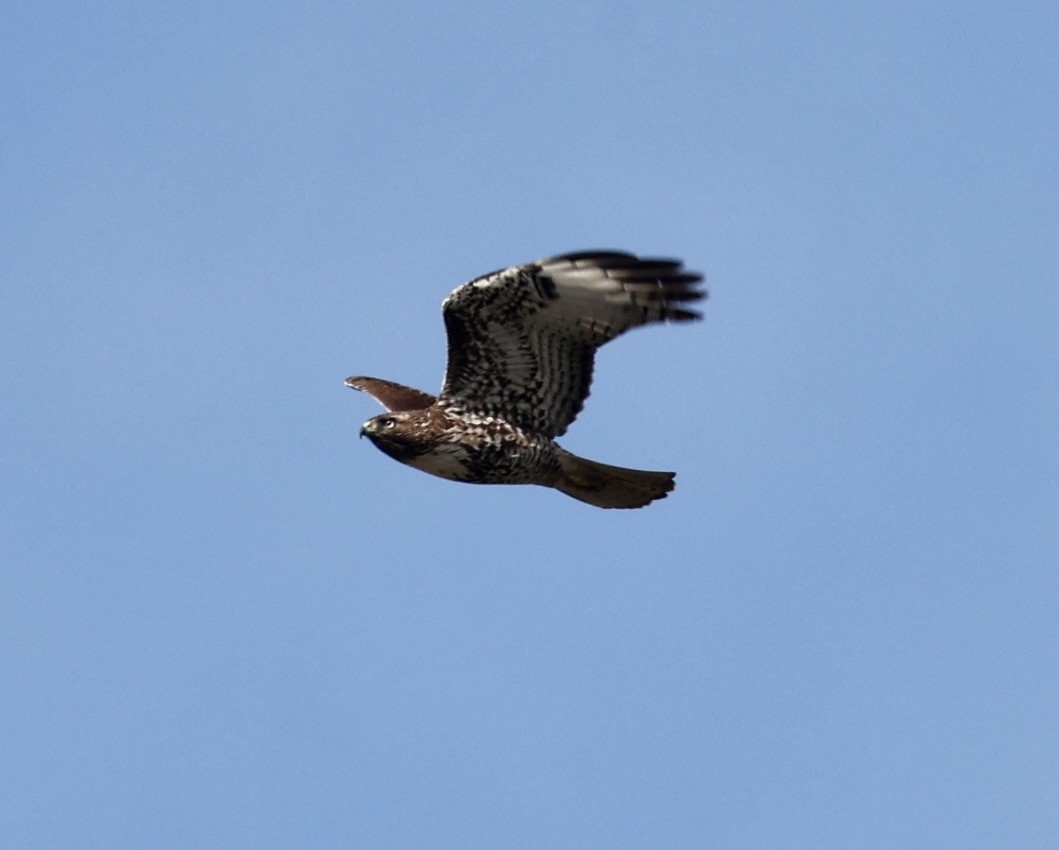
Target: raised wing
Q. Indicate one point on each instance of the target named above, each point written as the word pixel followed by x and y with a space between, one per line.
pixel 390 395
pixel 522 340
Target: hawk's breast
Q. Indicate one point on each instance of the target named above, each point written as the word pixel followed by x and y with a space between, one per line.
pixel 446 460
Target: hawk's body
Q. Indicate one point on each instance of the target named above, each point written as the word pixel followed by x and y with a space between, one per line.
pixel 521 347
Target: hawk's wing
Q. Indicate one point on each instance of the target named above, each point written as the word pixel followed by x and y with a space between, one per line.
pixel 522 340
pixel 391 395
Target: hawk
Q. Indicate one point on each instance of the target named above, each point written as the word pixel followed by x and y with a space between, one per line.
pixel 521 345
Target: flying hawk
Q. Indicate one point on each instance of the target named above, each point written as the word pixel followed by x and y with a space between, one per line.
pixel 521 346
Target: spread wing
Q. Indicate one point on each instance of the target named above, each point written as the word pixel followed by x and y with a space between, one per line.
pixel 390 395
pixel 522 340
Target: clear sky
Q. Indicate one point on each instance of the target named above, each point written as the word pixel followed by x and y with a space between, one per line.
pixel 226 622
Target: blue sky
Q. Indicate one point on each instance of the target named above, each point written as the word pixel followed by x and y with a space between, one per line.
pixel 226 622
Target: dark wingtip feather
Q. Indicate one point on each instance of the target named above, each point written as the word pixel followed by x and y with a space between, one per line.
pixel 600 257
pixel 676 314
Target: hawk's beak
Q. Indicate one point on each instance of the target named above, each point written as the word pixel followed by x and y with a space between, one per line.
pixel 365 429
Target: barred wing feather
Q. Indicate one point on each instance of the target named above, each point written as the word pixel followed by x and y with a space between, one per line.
pixel 522 340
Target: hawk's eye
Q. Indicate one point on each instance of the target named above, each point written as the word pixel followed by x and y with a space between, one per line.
pixel 388 423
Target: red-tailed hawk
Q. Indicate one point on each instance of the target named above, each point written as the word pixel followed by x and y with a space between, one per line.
pixel 521 346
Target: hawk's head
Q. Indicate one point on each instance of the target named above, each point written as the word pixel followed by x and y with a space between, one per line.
pixel 400 435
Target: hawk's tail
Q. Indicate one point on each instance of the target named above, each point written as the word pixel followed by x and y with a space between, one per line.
pixel 610 486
